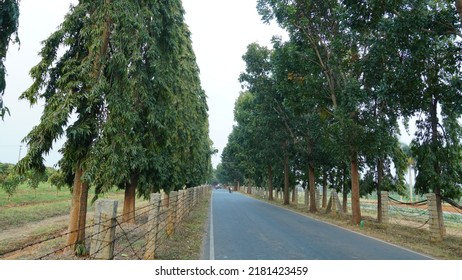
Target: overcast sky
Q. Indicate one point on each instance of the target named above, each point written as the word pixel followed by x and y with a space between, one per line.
pixel 221 31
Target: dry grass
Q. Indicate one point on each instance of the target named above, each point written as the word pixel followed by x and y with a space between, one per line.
pixel 185 244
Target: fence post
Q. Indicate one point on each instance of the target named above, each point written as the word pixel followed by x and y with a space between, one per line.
pixel 318 199
pixel 185 203
pixel 171 223
pixel 307 198
pixel 194 197
pixel 179 213
pixel 384 199
pixel 435 234
pixel 295 194
pixel 102 242
pixel 188 201
pixel 153 227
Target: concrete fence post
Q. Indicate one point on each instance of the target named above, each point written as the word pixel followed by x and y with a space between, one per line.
pixel 171 216
pixel 185 202
pixel 153 227
pixel 191 199
pixel 384 201
pixel 194 195
pixel 102 242
pixel 180 206
pixel 333 204
pixel 307 198
pixel 435 231
pixel 318 199
pixel 295 194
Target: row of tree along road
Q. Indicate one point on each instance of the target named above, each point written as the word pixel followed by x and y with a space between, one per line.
pixel 128 76
pixel 324 106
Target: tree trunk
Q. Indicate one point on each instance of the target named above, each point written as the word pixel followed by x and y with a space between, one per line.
pixel 129 202
pixel 459 9
pixel 379 190
pixel 312 185
pixel 286 180
pixel 270 183
pixel 344 192
pixel 437 169
pixel 324 190
pixel 78 213
pixel 355 206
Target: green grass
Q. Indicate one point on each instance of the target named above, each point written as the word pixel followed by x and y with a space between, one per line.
pixel 25 195
pixel 18 216
pixel 28 205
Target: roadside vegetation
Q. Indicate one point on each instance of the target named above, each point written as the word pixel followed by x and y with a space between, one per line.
pixel 44 212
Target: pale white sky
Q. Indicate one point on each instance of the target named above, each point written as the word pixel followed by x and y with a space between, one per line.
pixel 221 31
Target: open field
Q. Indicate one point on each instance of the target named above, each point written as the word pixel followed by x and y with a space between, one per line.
pixel 42 223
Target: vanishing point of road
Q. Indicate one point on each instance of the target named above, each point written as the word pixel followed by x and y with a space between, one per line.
pixel 243 228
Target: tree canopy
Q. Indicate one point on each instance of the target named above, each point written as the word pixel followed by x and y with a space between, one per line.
pixel 9 20
pixel 338 87
pixel 129 77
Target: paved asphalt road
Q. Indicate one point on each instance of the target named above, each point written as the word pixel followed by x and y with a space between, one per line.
pixel 242 228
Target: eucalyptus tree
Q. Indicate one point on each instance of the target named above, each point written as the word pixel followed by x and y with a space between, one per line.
pixel 272 129
pixel 232 172
pixel 320 28
pixel 418 45
pixel 371 24
pixel 430 55
pixel 305 103
pixel 9 20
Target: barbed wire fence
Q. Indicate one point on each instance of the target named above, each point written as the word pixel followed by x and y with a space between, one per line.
pixel 453 217
pixel 410 214
pixel 111 238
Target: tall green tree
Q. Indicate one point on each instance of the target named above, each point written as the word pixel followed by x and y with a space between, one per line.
pixel 319 26
pixel 433 52
pixel 272 128
pixel 125 74
pixel 9 20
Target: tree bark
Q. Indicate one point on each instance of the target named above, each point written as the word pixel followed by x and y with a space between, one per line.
pixel 286 180
pixel 459 9
pixel 270 183
pixel 324 190
pixel 355 206
pixel 379 190
pixel 344 192
pixel 312 184
pixel 129 202
pixel 78 213
pixel 437 169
